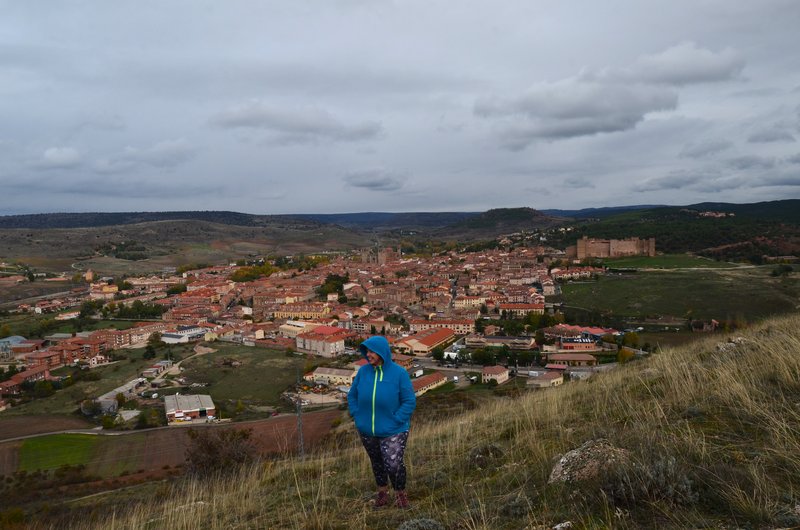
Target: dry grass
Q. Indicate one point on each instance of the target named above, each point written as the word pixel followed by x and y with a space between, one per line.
pixel 723 423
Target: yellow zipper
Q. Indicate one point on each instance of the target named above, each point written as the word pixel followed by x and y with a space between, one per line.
pixel 374 390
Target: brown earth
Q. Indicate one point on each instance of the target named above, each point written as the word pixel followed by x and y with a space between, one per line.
pixel 9 456
pixel 171 243
pixel 16 426
pixel 152 450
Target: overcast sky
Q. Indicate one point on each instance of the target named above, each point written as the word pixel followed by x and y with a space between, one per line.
pixel 326 106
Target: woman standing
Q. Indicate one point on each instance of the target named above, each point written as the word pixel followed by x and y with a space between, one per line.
pixel 381 401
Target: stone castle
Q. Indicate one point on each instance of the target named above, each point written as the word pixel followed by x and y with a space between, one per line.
pixel 611 248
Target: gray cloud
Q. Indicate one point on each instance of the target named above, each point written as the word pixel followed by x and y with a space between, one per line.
pixel 751 162
pixel 297 125
pixel 770 135
pixel 573 107
pixel 578 182
pixel 607 100
pixel 673 181
pixel 572 93
pixel 704 148
pixel 59 158
pixel 685 63
pixel 164 155
pixel 792 180
pixel 375 180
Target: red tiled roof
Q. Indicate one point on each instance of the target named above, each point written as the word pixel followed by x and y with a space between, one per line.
pixel 570 357
pixel 426 380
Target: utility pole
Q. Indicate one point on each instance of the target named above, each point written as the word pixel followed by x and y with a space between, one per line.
pixel 298 403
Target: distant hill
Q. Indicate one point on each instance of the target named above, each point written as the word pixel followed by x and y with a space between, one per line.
pixel 93 219
pixel 390 221
pixel 598 213
pixel 753 231
pixel 785 210
pixel 362 220
pixel 170 242
pixel 499 221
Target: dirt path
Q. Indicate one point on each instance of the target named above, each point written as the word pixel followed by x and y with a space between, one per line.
pixel 176 368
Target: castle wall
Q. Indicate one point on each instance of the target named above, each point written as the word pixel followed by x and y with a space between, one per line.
pixel 614 248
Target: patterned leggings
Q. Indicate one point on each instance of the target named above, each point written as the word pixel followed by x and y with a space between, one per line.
pixel 386 456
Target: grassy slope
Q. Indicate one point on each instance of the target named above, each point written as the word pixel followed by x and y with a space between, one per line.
pixel 723 424
pixel 260 379
pixel 750 293
pixel 667 261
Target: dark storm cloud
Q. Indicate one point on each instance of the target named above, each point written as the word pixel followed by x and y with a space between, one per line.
pixel 375 180
pixel 770 135
pixel 296 125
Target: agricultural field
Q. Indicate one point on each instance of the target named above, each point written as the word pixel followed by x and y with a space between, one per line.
pixel 13 295
pixel 50 452
pixel 259 378
pixel 745 294
pixel 151 450
pixel 68 326
pixel 667 261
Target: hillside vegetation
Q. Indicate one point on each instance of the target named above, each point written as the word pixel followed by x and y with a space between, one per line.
pixel 168 243
pixel 751 232
pixel 707 435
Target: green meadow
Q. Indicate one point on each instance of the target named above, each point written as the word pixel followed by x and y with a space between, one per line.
pixel 668 261
pixel 748 294
pixel 51 452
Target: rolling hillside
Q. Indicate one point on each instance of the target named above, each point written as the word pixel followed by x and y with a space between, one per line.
pixel 705 436
pixel 754 230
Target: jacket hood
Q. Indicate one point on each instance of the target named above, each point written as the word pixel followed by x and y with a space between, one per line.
pixel 379 345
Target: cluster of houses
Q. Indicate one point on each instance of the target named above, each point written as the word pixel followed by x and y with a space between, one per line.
pixel 419 304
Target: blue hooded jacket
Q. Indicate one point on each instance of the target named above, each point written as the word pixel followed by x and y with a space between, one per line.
pixel 381 398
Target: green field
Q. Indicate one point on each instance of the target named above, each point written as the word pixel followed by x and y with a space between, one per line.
pixel 667 261
pixel 50 452
pixel 746 293
pixel 68 326
pixel 260 378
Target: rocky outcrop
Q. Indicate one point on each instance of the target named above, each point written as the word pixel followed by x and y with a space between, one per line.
pixel 588 461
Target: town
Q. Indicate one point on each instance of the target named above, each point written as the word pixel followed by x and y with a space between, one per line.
pixel 460 317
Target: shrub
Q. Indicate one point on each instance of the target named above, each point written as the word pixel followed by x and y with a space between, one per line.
pixel 218 451
pixel 661 479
